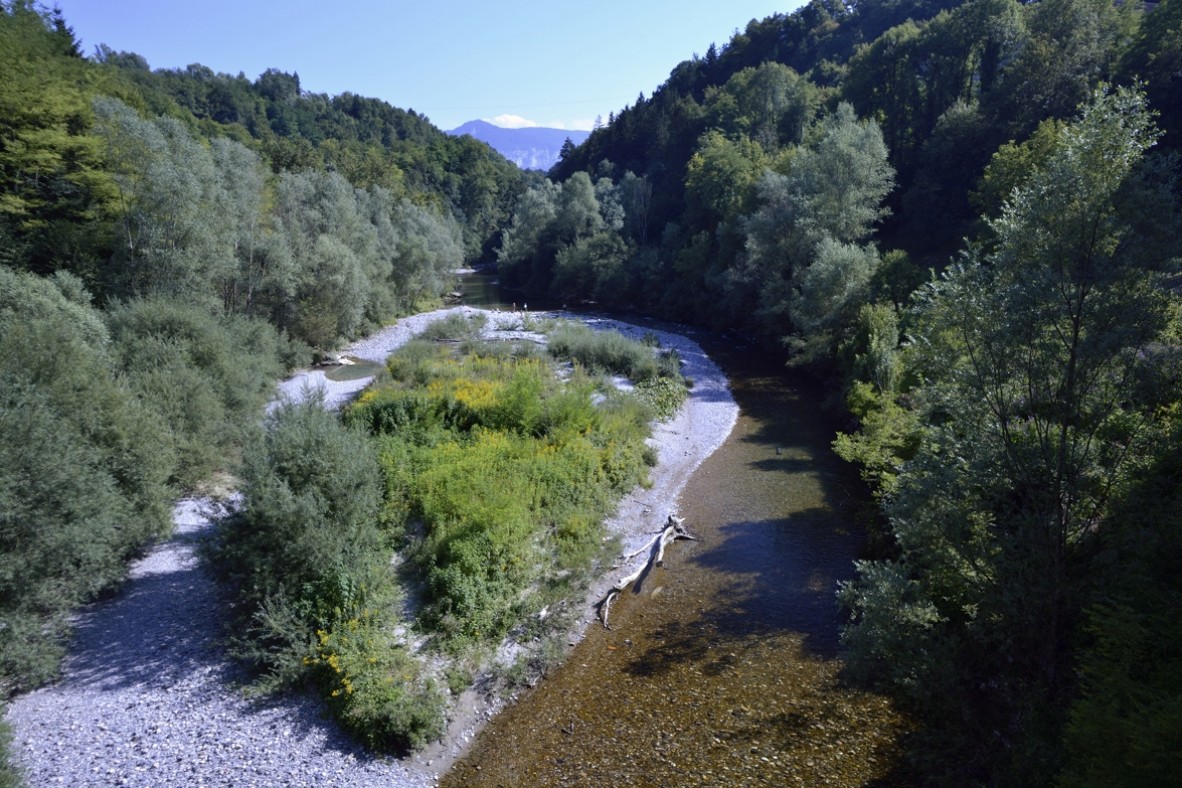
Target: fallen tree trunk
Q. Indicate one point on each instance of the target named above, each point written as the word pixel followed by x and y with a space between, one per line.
pixel 674 529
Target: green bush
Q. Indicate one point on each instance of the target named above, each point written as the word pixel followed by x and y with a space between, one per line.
pixel 416 362
pixel 665 395
pixel 455 327
pixel 374 688
pixel 207 377
pixel 307 530
pixel 83 469
pixel 510 471
pixel 605 352
pixel 310 564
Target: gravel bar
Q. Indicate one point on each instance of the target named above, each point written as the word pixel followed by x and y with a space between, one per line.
pixel 148 696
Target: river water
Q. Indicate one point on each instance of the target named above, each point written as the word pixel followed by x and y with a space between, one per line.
pixel 724 669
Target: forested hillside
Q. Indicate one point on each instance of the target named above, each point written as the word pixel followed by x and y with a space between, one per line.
pixel 170 243
pixel 964 217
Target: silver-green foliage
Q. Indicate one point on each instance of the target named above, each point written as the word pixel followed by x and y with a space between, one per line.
pixel 206 377
pixel 320 258
pixel 83 470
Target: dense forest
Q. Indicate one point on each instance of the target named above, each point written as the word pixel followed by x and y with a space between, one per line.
pixel 963 216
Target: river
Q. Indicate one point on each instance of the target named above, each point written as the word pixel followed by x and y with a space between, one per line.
pixel 725 668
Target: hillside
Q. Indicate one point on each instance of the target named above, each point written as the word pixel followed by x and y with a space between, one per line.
pixel 964 218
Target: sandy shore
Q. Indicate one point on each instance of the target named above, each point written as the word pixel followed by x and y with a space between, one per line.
pixel 149 698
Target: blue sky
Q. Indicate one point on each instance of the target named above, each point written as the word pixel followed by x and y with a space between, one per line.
pixel 545 63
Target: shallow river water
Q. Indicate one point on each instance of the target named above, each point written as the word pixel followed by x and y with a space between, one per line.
pixel 723 667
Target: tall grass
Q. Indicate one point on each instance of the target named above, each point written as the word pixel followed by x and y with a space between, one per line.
pixel 510 471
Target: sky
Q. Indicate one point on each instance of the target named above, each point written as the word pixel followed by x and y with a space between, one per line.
pixel 532 62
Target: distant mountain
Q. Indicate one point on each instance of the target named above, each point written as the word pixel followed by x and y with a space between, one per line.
pixel 532 148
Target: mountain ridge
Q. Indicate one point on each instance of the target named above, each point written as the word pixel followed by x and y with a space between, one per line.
pixel 530 148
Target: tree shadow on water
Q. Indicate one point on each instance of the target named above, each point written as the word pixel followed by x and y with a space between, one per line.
pixel 781 579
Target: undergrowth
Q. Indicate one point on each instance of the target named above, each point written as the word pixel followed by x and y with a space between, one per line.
pixel 505 470
pixel 308 560
pixel 510 470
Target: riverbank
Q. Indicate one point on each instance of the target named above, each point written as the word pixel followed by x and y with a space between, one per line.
pixel 149 698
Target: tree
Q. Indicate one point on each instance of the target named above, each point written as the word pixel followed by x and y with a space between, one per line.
pixel 1155 58
pixel 333 246
pixel 1030 351
pixel 173 236
pixel 720 178
pixel 833 192
pixel 52 184
pixel 771 104
pixel 428 251
pixel 578 211
pixel 240 201
pixel 528 239
pixel 828 293
pixel 1070 47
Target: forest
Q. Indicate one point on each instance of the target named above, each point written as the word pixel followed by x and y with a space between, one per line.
pixel 962 216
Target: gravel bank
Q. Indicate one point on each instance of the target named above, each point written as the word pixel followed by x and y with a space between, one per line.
pixel 148 698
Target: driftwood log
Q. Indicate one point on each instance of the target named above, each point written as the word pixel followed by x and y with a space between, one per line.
pixel 674 529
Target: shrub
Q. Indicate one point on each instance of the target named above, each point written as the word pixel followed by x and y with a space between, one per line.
pixel 207 377
pixel 375 688
pixel 83 468
pixel 415 363
pixel 307 529
pixel 664 395
pixel 510 471
pixel 605 352
pixel 608 352
pixel 456 327
pixel 310 563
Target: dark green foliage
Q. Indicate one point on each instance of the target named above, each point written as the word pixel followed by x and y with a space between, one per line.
pixel 664 395
pixel 1030 417
pixel 373 688
pixel 1155 58
pixel 1124 727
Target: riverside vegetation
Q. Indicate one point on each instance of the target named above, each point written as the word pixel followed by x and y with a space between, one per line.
pixel 1013 397
pixel 488 472
pixel 167 250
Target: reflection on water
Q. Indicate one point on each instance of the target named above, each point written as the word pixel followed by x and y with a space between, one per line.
pixel 356 369
pixel 482 289
pixel 723 670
